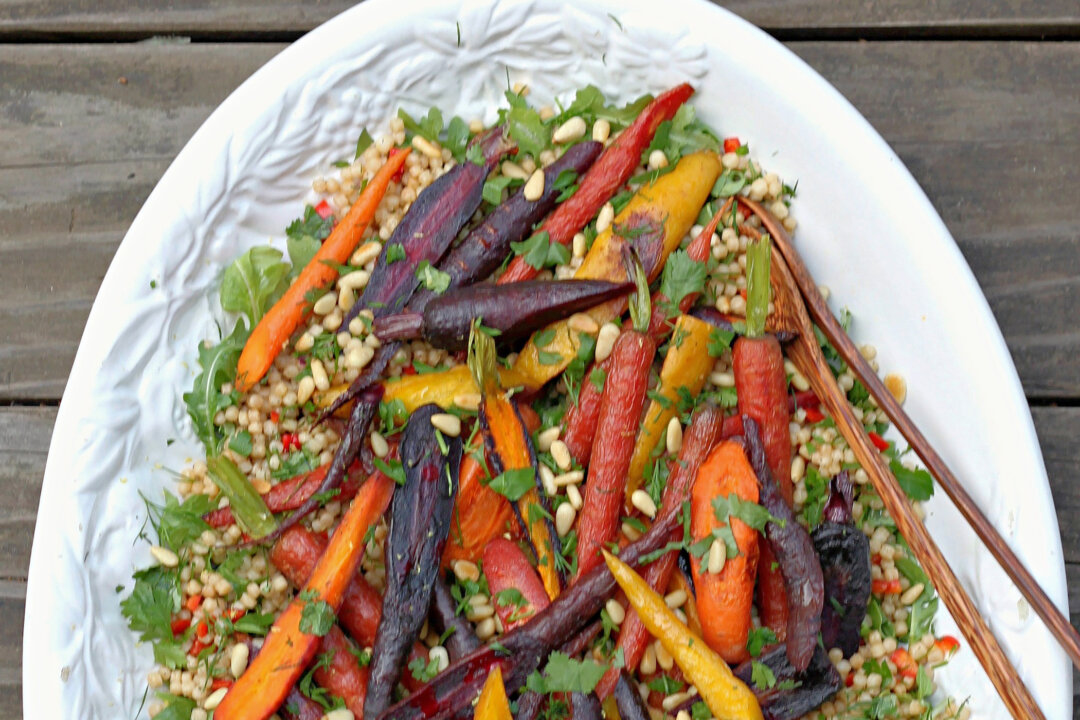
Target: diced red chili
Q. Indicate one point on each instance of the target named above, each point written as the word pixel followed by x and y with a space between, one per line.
pixel 731 144
pixel 905 666
pixel 179 625
pixel 806 399
pixel 813 415
pixel 324 210
pixel 879 442
pixel 202 629
pixel 886 587
pixel 400 173
pixel 275 416
pixel 947 644
pixel 197 647
pixel 193 602
pixel 408 370
pixel 220 683
pixel 236 614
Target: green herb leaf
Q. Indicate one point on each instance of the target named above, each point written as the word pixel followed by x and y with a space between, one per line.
pixel 218 363
pixel 758 260
pixel 363 143
pixel 664 684
pixel 729 183
pixel 719 341
pixel 457 138
pixel 310 225
pixel 513 484
pixel 394 252
pixel 539 252
pixel 762 677
pixel 248 507
pixel 917 483
pixel 254 623
pixel 253 281
pixel 493 188
pixel 393 469
pixel 432 278
pixel 316 618
pixel 758 638
pixel 562 674
pixel 240 443
pixel 152 603
pixel 682 276
pixel 525 127
pixel 176 708
pixel 424 672
pixel 179 523
pixel 430 126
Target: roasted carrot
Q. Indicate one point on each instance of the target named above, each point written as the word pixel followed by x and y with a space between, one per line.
pixel 285 316
pixel 609 173
pixel 493 703
pixel 479 515
pixel 724 599
pixel 296 553
pixel 288 650
pixel 761 384
pixel 701 437
pixel 616 427
pixel 298 706
pixel 340 673
pixel 510 449
pixel 515 587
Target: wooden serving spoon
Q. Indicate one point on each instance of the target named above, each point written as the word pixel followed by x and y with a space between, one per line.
pixel 806 354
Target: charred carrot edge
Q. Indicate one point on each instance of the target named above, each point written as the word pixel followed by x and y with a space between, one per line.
pixel 493 703
pixel 287 651
pixel 285 316
pixel 610 171
pixel 724 599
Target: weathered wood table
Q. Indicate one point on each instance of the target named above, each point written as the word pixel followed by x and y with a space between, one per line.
pixel 981 99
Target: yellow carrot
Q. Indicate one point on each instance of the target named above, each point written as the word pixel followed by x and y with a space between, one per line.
pixel 686 365
pixel 728 697
pixel 493 703
pixel 282 320
pixel 671 203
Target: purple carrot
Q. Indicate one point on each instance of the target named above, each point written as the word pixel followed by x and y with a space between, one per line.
pixel 485 248
pixel 717 319
pixel 585 706
pixel 420 515
pixel 349 449
pixel 844 553
pixel 298 707
pixel 523 649
pixel 515 310
pixel 461 640
pixel 628 700
pixel 428 228
pixel 793 549
pixel 813 685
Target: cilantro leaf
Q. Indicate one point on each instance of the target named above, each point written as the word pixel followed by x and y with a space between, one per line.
pixel 179 523
pixel 917 483
pixel 562 674
pixel 682 276
pixel 664 684
pixel 429 126
pixel 762 677
pixel 457 138
pixel 758 638
pixel 525 126
pixel 311 225
pixel 394 252
pixel 432 278
pixel 316 617
pixel 513 484
pixel 176 708
pixel 539 252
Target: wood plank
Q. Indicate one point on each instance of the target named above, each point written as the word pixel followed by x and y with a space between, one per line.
pixel 229 18
pixel 988 129
pixel 12 607
pixel 24 443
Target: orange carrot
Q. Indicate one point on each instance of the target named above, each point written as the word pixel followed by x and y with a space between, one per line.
pixel 480 515
pixel 288 650
pixel 724 599
pixel 285 316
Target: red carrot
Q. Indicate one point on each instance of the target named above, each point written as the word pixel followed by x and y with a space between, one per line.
pixel 616 430
pixel 338 671
pixel 701 436
pixel 609 173
pixel 515 587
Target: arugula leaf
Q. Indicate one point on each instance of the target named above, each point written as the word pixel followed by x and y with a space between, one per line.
pixel 179 523
pixel 682 276
pixel 301 251
pixel 562 674
pixel 513 484
pixel 176 708
pixel 432 278
pixel 539 252
pixel 429 126
pixel 363 143
pixel 241 444
pixel 253 281
pixel 457 138
pixel 218 363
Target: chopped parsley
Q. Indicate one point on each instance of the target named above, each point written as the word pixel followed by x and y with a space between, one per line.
pixel 539 252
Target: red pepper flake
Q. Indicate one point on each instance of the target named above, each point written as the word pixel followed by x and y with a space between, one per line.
pixel 907 668
pixel 289 440
pixel 401 172
pixel 879 442
pixel 236 614
pixel 202 629
pixel 408 370
pixel 193 602
pixel 947 644
pixel 275 416
pixel 220 683
pixel 179 625
pixel 731 144
pixel 197 647
pixel 742 293
pixel 813 415
pixel 324 210
pixel 806 399
pixel 886 587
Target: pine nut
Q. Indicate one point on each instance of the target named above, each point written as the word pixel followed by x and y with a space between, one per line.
pixel 261 486
pixel 564 518
pixel 722 379
pixel 799 382
pixel 468 401
pixel 675 599
pixel 534 188
pixel 305 343
pixel 912 594
pixel 579 245
pixel 379 446
pixel 663 657
pixel 479 612
pixel 164 556
pixel 355 280
pixel 561 454
pixel 674 435
pixel 514 171
pixel 573 477
pixel 615 611
pixel 647 666
pixel 605 341
pixel 605 218
pixel 632 533
pixel 717 556
pixel 601 130
pixel 345 300
pixel 324 304
pixel 427 147
pixel 572 129
pixel 544 439
pixel 583 323
pixel 643 502
pixel 682 715
pixel 657 160
pixel 485 629
pixel 238 659
pixel 547 479
pixel 441 657
pixel 447 424
pixel 674 700
pixel 365 254
pixel 897 387
pixel 574 496
pixel 318 375
pixel 215 698
pixel 465 570
pixel 339 714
